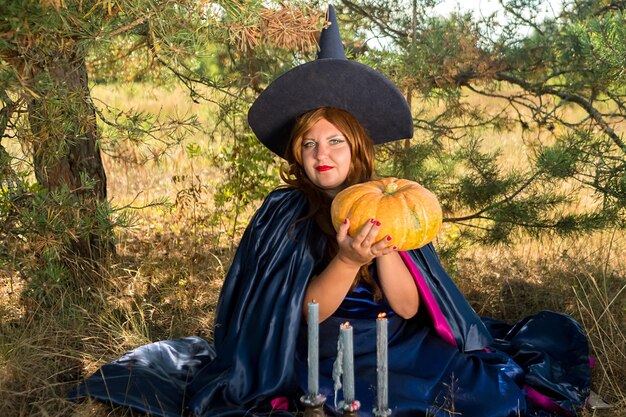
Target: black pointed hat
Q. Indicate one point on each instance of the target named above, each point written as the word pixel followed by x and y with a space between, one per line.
pixel 331 80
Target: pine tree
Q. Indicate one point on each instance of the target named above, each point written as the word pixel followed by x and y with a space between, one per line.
pixel 560 79
pixel 48 51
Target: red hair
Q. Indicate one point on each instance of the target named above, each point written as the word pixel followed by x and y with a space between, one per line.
pixel 361 146
pixel 361 170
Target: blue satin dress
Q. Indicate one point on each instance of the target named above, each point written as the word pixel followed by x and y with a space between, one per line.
pixel 427 376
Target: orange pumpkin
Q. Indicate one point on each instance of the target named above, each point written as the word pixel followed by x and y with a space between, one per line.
pixel 409 213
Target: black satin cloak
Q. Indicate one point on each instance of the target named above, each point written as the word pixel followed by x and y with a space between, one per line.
pixel 257 324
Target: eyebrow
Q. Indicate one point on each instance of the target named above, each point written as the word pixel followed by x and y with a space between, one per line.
pixel 328 138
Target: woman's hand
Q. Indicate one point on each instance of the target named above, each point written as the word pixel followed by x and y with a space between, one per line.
pixel 395 279
pixel 330 287
pixel 362 249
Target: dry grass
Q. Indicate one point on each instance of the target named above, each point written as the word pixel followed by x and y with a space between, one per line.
pixel 584 277
pixel 160 285
pixel 166 275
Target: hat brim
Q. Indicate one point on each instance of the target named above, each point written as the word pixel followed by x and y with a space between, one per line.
pixel 356 88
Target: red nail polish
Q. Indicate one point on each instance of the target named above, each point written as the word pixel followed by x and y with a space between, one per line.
pixel 395 247
pixel 372 220
pixel 378 223
pixel 388 238
pixel 345 221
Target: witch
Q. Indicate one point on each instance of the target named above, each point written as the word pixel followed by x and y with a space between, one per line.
pixel 323 118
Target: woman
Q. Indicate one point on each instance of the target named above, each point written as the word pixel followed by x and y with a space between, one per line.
pixel 359 277
pixel 323 160
pixel 323 117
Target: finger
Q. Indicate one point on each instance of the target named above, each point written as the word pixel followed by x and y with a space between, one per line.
pixel 387 250
pixel 364 231
pixel 383 244
pixel 342 233
pixel 370 238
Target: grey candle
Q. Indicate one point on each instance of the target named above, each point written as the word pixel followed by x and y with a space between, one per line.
pixel 381 362
pixel 348 363
pixel 314 336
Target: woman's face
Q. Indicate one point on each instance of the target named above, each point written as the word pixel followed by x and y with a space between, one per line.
pixel 326 156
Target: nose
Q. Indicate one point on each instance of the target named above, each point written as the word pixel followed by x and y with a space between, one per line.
pixel 321 151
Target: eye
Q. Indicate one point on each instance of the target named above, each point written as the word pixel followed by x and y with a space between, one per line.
pixel 309 144
pixel 335 141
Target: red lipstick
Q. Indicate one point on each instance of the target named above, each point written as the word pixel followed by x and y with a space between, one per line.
pixel 322 168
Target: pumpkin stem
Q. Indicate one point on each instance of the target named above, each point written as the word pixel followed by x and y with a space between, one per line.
pixel 391 188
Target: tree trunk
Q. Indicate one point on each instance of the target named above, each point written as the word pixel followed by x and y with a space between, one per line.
pixel 65 141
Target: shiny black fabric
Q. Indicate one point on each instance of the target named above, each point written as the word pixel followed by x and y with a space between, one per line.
pixel 550 347
pixel 428 377
pixel 545 353
pixel 253 357
pixel 260 309
pixel 467 328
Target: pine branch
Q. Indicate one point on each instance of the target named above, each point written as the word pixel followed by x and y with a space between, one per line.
pixel 520 17
pixel 507 199
pixel 6 112
pixel 385 28
pixel 287 27
pixel 567 96
pixel 131 25
pixel 189 80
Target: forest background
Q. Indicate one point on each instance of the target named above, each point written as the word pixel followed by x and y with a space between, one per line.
pixel 128 170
